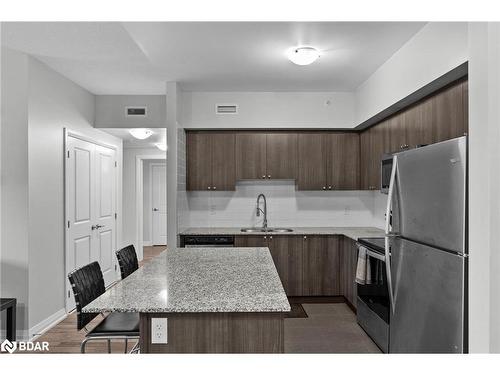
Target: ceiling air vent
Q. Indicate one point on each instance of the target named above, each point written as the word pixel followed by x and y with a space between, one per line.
pixel 226 109
pixel 136 111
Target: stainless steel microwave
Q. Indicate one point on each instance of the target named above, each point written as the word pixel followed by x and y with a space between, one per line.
pixel 385 173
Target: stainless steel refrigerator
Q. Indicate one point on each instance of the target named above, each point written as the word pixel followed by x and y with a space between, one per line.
pixel 426 249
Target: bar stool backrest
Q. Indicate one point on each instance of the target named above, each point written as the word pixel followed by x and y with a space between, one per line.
pixel 87 283
pixel 127 259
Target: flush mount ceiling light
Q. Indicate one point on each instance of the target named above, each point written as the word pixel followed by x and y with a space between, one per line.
pixel 140 133
pixel 303 55
pixel 161 146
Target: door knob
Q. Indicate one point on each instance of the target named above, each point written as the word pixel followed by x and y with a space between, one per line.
pixel 268 176
pixel 156 209
pixel 264 176
pixel 215 187
pixel 329 188
pixel 209 188
pixel 324 187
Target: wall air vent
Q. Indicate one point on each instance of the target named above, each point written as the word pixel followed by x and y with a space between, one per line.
pixel 136 111
pixel 226 109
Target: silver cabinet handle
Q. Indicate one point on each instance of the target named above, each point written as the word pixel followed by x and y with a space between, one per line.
pixel 268 176
pixel 324 187
pixel 270 237
pixel 156 209
pixel 265 237
pixel 209 188
pixel 215 187
pixel 264 176
pixel 305 237
pixel 329 188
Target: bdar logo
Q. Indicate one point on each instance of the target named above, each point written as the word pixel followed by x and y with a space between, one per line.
pixel 8 346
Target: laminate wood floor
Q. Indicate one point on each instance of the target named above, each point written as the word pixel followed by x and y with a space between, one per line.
pixel 64 338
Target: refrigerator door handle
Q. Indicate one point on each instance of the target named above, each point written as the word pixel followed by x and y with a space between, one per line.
pixel 388 232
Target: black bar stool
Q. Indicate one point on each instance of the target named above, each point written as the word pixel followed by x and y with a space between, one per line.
pixel 127 259
pixel 88 284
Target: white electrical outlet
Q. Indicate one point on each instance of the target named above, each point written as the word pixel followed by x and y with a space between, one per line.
pixel 159 332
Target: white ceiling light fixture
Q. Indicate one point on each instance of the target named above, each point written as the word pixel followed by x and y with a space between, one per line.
pixel 161 146
pixel 140 133
pixel 303 55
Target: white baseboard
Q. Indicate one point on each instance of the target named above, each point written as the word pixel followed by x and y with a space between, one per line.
pixel 147 243
pixel 46 324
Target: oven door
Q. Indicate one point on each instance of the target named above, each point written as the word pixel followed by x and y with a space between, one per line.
pixel 373 302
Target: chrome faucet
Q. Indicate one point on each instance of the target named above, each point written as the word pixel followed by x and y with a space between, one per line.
pixel 259 210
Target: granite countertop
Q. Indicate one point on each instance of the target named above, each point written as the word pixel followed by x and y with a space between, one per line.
pixel 351 232
pixel 199 280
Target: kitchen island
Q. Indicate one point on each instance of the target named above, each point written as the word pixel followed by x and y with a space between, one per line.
pixel 216 300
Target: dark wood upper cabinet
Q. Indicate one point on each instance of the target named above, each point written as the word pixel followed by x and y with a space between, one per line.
pixel 281 155
pixel 343 161
pixel 250 156
pixel 448 114
pixel 210 161
pixel 223 161
pixel 312 161
pixel 199 161
pixel 266 155
pixel 441 116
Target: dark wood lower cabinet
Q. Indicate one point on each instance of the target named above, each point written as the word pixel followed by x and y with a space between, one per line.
pixel 320 266
pixel 216 333
pixel 287 253
pixel 309 265
pixel 348 261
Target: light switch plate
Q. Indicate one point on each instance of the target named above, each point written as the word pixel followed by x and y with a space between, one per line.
pixel 159 331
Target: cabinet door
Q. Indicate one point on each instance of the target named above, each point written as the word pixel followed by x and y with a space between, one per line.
pixel 321 266
pixel 223 164
pixel 250 241
pixel 287 255
pixel 199 161
pixel 312 161
pixel 250 156
pixel 379 144
pixel 418 123
pixel 448 119
pixel 365 162
pixel 281 156
pixel 348 263
pixel 343 161
pixel 397 133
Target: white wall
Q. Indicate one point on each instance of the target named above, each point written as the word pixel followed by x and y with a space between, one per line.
pixel 54 103
pixel 286 206
pixel 147 190
pixel 269 109
pixel 14 199
pixel 173 108
pixel 110 111
pixel 435 50
pixel 37 103
pixel 484 187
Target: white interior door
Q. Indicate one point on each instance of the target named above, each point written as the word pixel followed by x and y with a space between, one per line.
pixel 159 203
pixel 91 201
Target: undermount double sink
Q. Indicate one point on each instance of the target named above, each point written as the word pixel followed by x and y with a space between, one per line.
pixel 266 230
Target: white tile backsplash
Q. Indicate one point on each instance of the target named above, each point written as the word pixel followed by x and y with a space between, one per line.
pixel 286 206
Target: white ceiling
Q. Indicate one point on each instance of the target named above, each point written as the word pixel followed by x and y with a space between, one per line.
pixel 159 136
pixel 139 57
